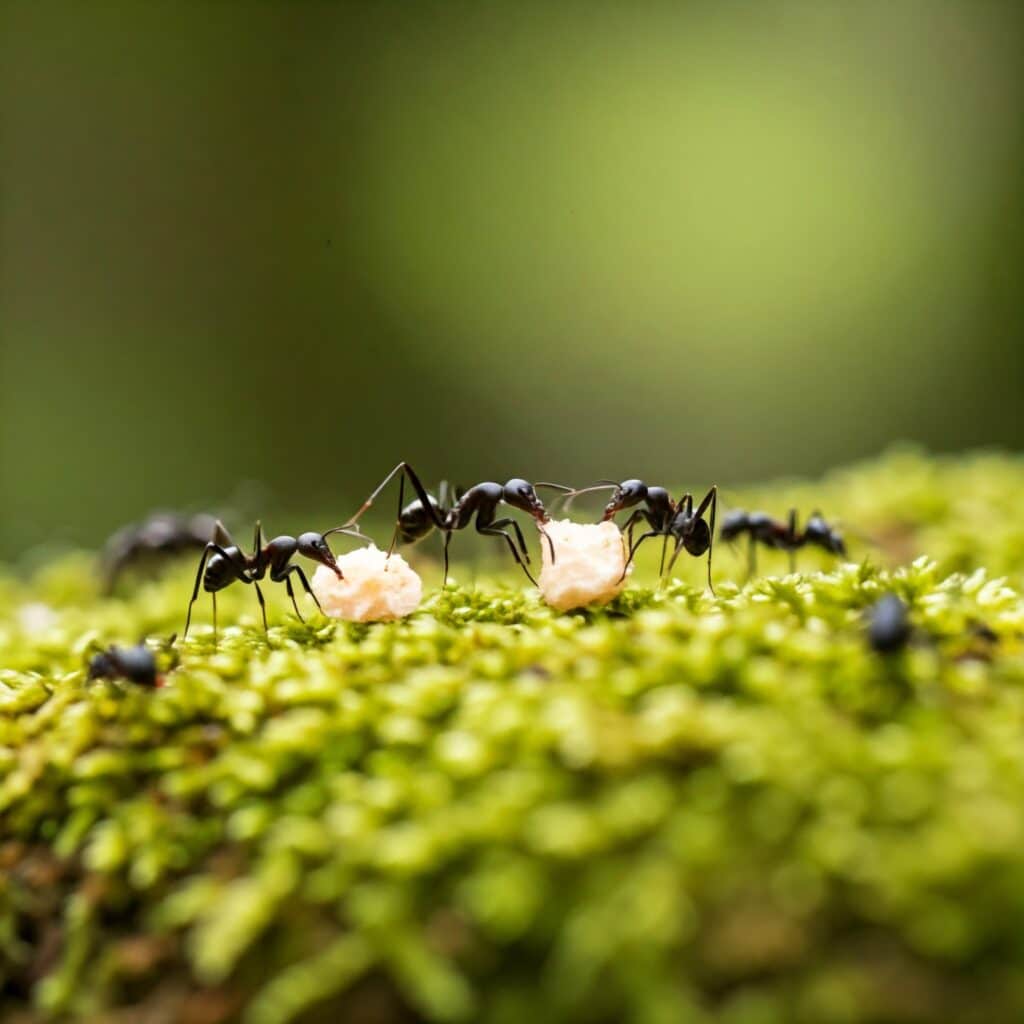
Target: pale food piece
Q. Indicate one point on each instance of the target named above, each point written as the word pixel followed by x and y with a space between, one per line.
pixel 375 588
pixel 588 565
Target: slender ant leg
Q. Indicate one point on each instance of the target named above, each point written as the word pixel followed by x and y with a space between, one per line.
pixel 298 570
pixel 711 498
pixel 398 519
pixel 212 548
pixel 417 486
pixel 291 594
pixel 214 597
pixel 286 576
pixel 495 530
pixel 634 547
pixel 519 537
pixel 263 606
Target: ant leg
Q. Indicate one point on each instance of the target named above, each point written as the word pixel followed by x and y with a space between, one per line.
pixel 629 525
pixel 664 551
pixel 447 541
pixel 257 540
pixel 398 520
pixel 495 530
pixel 634 547
pixel 211 548
pixel 547 536
pixel 286 576
pixel 519 537
pixel 214 596
pixel 675 555
pixel 417 486
pixel 291 594
pixel 263 606
pixel 195 589
pixel 373 497
pixel 297 569
pixel 711 498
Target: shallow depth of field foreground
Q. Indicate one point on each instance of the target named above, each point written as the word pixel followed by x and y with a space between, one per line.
pixel 680 808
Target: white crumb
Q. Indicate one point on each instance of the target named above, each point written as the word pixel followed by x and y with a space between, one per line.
pixel 588 566
pixel 375 588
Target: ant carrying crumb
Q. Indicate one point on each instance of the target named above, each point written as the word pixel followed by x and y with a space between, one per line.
pixel 223 563
pixel 477 506
pixel 672 520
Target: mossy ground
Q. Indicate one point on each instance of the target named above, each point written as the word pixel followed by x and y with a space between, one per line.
pixel 681 808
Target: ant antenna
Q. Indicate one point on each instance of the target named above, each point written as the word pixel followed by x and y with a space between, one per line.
pixel 601 485
pixel 349 531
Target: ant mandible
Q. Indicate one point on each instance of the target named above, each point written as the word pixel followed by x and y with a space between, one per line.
pixel 426 513
pixel 223 563
pixel 763 529
pixel 664 517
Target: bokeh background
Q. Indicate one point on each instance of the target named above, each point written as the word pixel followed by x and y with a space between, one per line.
pixel 291 243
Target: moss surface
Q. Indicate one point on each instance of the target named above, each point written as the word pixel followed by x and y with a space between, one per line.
pixel 682 808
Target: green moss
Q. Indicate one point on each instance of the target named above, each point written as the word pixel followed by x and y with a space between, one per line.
pixel 682 808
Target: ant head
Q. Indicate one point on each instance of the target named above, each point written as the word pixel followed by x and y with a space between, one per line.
pixel 625 495
pixel 315 548
pixel 520 494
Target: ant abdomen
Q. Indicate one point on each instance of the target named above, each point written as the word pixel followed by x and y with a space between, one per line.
pixel 219 570
pixel 697 539
pixel 415 521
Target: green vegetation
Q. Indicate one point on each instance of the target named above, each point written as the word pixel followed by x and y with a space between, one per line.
pixel 682 808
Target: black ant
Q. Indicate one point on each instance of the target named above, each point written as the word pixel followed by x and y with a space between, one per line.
pixel 426 513
pixel 665 518
pixel 136 664
pixel 889 626
pixel 761 528
pixel 162 535
pixel 223 562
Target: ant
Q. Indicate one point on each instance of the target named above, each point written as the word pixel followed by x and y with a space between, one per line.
pixel 425 513
pixel 782 536
pixel 223 563
pixel 136 664
pixel 889 627
pixel 665 518
pixel 160 536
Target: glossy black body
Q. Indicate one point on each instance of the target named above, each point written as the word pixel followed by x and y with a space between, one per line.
pixel 223 563
pixel 477 506
pixel 675 520
pixel 136 664
pixel 160 537
pixel 889 626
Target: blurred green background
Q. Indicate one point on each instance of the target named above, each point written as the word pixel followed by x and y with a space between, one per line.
pixel 293 243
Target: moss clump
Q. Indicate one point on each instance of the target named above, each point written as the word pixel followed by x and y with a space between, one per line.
pixel 682 808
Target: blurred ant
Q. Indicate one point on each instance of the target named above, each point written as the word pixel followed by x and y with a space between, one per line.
pixel 136 664
pixel 223 563
pixel 889 627
pixel 761 528
pixel 665 518
pixel 426 513
pixel 160 536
